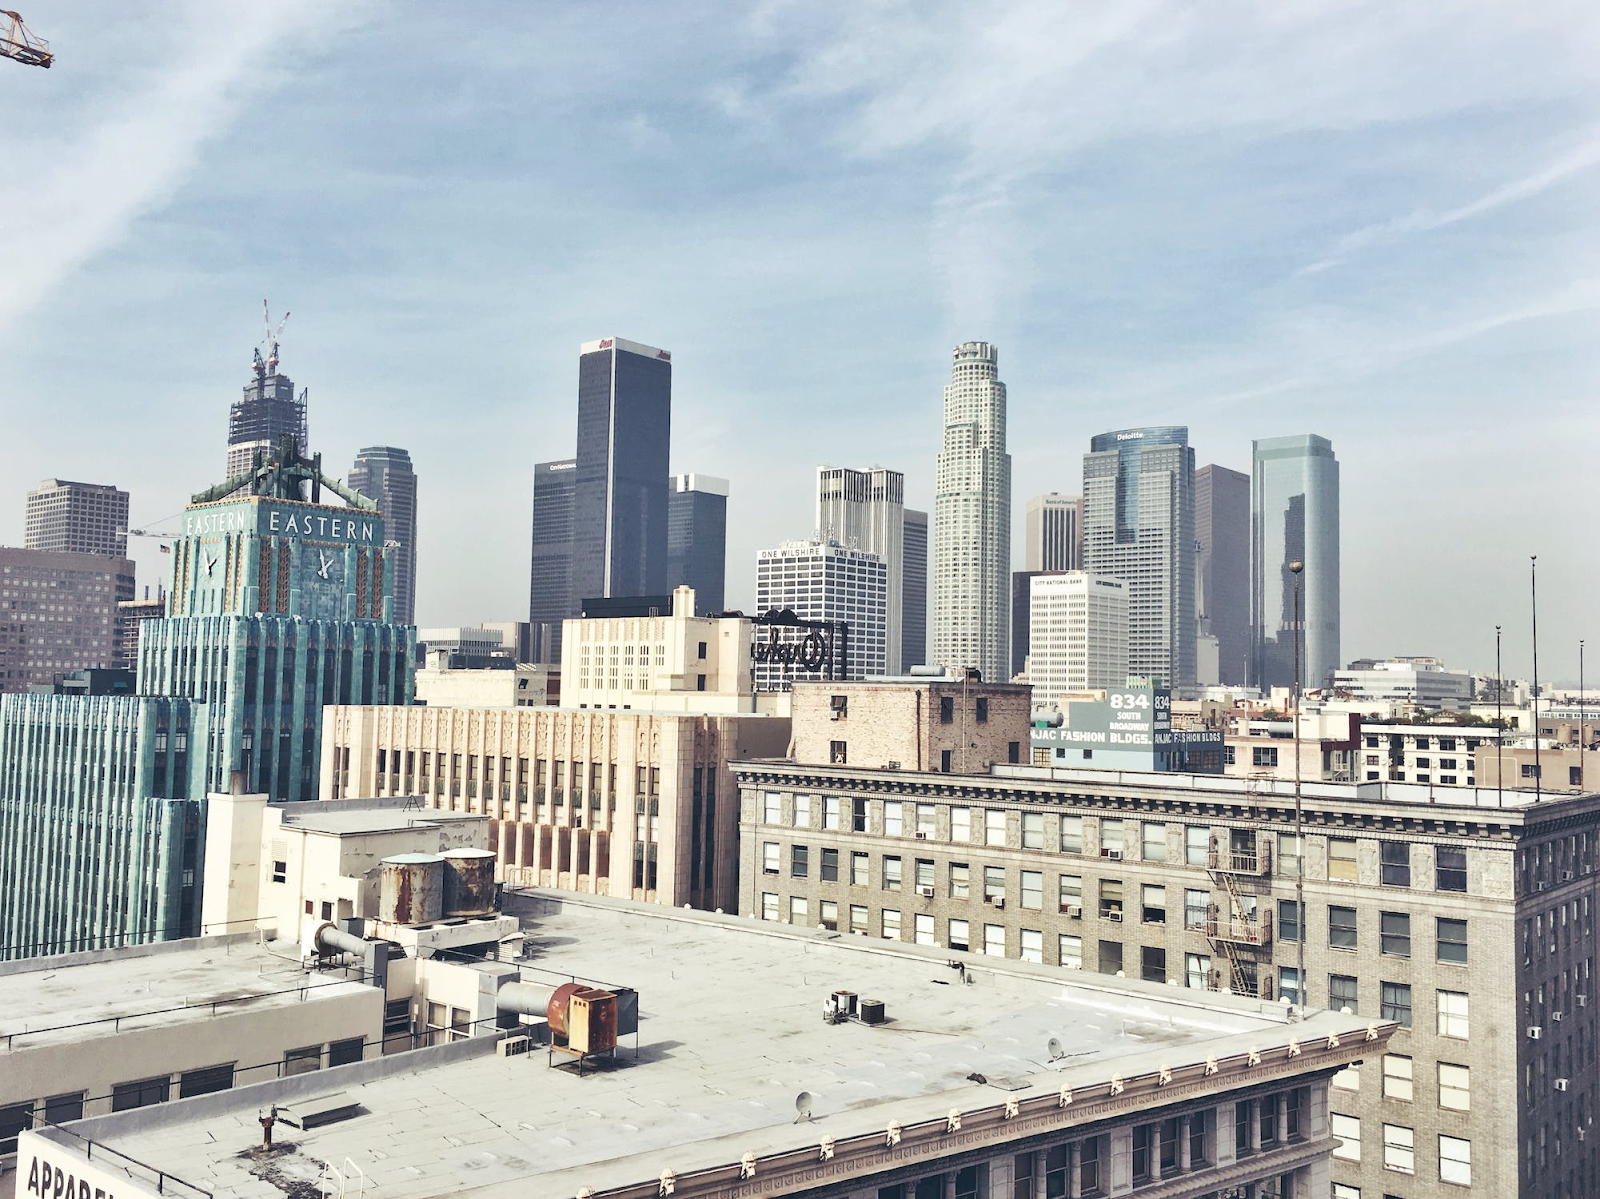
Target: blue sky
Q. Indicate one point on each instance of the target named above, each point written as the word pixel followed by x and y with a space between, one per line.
pixel 1373 222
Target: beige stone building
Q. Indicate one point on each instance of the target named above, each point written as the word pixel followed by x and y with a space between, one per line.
pixel 1470 925
pixel 625 803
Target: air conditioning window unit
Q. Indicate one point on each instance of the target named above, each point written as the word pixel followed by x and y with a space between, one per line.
pixel 513 1046
pixel 1534 1032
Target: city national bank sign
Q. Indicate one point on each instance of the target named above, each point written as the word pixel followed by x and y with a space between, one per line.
pixel 268 518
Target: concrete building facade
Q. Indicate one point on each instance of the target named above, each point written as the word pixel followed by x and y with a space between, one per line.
pixel 972 519
pixel 77 518
pixel 1222 548
pixel 384 473
pixel 58 613
pixel 1469 926
pixel 1053 533
pixel 826 581
pixel 1138 526
pixel 1078 634
pixel 697 538
pixel 865 510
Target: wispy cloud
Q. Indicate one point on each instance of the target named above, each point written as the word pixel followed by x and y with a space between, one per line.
pixel 126 130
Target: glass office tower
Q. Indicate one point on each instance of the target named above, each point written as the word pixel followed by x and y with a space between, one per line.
pixel 1294 513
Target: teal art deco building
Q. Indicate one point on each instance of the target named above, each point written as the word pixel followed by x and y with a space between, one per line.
pixel 277 605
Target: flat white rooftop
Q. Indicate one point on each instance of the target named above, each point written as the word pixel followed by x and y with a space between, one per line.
pixel 83 996
pixel 731 1033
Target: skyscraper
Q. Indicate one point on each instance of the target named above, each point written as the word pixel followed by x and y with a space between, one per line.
pixel 267 411
pixel 1294 502
pixel 697 539
pixel 865 510
pixel 1138 523
pixel 914 590
pixel 972 519
pixel 1054 533
pixel 77 518
pixel 823 580
pixel 550 595
pixel 1222 540
pixel 619 505
pixel 383 473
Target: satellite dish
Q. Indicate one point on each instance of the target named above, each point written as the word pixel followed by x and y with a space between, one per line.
pixel 1053 1050
pixel 802 1104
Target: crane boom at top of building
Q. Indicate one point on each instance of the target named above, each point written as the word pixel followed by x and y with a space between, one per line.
pixel 16 42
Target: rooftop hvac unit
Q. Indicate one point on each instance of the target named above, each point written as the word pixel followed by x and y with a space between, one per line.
pixel 1534 1032
pixel 513 1046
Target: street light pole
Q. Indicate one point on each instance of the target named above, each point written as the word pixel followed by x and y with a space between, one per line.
pixel 1295 567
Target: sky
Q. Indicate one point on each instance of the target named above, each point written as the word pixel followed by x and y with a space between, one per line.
pixel 1368 221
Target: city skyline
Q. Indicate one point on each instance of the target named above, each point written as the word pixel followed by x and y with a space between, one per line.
pixel 1394 258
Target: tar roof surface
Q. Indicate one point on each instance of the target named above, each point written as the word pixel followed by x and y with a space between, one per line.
pixel 731 1033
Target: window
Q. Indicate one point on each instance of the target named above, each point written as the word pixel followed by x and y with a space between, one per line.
pixel 1032 890
pixel 799 860
pixel 1288 920
pixel 1396 1077
pixel 1070 895
pixel 1289 985
pixel 1343 993
pixel 960 880
pixel 1031 945
pixel 1455 1087
pixel 958 934
pixel 1451 868
pixel 994 884
pixel 1195 904
pixel 802 811
pixel 1154 848
pixel 1111 957
pixel 1399 1149
pixel 832 813
pixel 1453 1014
pixel 893 818
pixel 799 916
pixel 1153 906
pixel 1455 1160
pixel 1033 830
pixel 858 919
pixel 1110 838
pixel 922 929
pixel 891 924
pixel 961 825
pixel 1348 1131
pixel 769 905
pixel 769 857
pixel 828 872
pixel 981 709
pixel 1070 949
pixel 1341 928
pixel 772 807
pixel 859 865
pixel 1153 964
pixel 1452 941
pixel 211 1079
pixel 994 827
pixel 891 873
pixel 1342 859
pixel 838 753
pixel 1195 842
pixel 1394 934
pixel 994 940
pixel 1111 899
pixel 1394 1003
pixel 1394 859
pixel 1072 834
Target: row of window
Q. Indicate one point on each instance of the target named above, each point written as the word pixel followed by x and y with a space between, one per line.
pixel 1400 1153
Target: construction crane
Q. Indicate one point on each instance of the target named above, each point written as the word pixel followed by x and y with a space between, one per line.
pixel 270 343
pixel 16 42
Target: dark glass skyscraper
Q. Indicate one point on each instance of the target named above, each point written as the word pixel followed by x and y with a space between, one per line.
pixel 1222 539
pixel 697 539
pixel 619 503
pixel 1294 513
pixel 550 598
pixel 383 473
pixel 1138 525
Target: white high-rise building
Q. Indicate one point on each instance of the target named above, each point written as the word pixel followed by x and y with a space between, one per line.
pixel 972 520
pixel 1078 634
pixel 865 510
pixel 823 580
